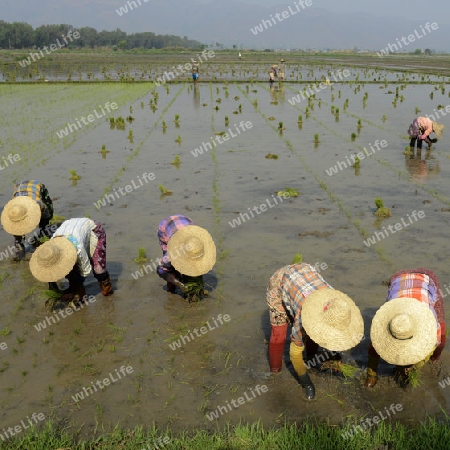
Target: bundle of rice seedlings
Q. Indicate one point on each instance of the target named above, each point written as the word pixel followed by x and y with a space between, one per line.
pixel 142 256
pixel 51 294
pixel 346 369
pixel 57 219
pixel 298 258
pixel 414 377
pixel 288 192
pixel 164 191
pixel 195 288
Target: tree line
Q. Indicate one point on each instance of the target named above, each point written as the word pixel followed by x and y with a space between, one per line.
pixel 21 35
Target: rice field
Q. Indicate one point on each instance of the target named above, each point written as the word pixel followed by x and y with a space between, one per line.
pixel 331 139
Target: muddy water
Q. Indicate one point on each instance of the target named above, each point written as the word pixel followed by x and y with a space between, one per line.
pixel 42 370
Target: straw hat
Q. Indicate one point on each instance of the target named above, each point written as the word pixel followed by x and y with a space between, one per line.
pixel 332 320
pixel 438 129
pixel 192 251
pixel 53 260
pixel 21 215
pixel 404 331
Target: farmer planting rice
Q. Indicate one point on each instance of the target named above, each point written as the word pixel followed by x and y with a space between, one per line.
pixel 409 329
pixel 188 251
pixel 76 246
pixel 319 315
pixel 194 71
pixel 420 130
pixel 272 74
pixel 30 207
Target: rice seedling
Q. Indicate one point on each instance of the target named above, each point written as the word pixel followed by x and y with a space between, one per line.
pixel 164 191
pixel 195 289
pixel 357 163
pixel 414 377
pixel 316 138
pixel 384 118
pixel 142 256
pixel 298 258
pixel 353 137
pixel 381 211
pixel 164 125
pixel 347 370
pixel 104 151
pixel 74 176
pixel 280 127
pixel 288 192
pixel 300 119
pixel 5 331
pixel 176 161
pixel 271 156
pixel 178 140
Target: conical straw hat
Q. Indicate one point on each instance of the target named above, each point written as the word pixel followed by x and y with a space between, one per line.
pixel 21 215
pixel 332 320
pixel 404 331
pixel 192 251
pixel 53 260
pixel 438 129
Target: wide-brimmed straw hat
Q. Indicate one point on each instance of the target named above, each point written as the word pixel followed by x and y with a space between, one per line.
pixel 192 251
pixel 404 331
pixel 438 129
pixel 332 320
pixel 21 215
pixel 53 260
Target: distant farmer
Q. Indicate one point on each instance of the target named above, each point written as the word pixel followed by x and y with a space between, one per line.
pixel 409 329
pixel 188 251
pixel 272 74
pixel 76 246
pixel 420 130
pixel 319 315
pixel 194 71
pixel 30 207
pixel 282 69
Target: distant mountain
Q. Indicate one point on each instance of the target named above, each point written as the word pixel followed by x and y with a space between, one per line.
pixel 230 23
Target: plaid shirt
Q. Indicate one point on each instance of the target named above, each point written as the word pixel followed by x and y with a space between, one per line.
pixel 287 289
pixel 168 227
pixel 38 192
pixel 418 286
pixel 78 231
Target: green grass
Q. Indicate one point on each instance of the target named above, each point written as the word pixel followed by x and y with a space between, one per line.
pixel 307 436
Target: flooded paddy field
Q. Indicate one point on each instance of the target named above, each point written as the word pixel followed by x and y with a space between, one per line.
pixel 330 223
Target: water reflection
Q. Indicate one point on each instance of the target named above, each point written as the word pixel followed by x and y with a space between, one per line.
pixel 422 165
pixel 196 97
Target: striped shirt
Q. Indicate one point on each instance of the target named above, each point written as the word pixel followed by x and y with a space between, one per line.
pixel 78 231
pixel 38 192
pixel 418 286
pixel 287 289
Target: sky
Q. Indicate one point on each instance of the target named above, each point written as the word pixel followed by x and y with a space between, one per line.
pixel 414 10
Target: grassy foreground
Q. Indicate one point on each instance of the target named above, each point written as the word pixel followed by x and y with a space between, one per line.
pixel 430 434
